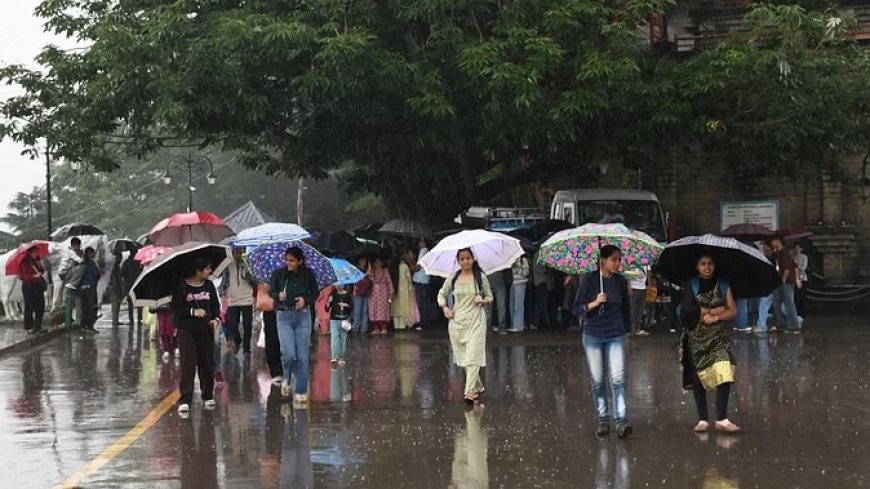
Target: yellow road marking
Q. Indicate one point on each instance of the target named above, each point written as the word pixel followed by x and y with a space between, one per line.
pixel 122 444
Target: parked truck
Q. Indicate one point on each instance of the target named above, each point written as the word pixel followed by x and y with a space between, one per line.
pixel 637 209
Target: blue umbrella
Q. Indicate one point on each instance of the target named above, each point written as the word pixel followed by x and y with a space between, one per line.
pixel 267 258
pixel 273 232
pixel 345 271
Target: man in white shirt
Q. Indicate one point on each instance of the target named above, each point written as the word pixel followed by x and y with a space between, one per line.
pixel 421 284
pixel 638 302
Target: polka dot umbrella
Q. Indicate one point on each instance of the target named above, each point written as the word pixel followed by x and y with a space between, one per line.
pixel 265 259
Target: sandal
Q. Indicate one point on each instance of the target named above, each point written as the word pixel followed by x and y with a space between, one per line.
pixel 727 426
pixel 702 427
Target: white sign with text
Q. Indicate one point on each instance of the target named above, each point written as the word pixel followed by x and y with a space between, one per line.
pixel 763 212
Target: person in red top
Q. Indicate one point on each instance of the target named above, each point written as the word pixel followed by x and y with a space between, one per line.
pixel 33 286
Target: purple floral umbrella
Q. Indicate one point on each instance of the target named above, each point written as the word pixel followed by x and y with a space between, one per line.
pixel 265 259
pixel 575 251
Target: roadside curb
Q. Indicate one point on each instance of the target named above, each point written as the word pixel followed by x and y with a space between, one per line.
pixel 34 341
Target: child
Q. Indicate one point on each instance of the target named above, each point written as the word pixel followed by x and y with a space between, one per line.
pixel 340 307
pixel 166 330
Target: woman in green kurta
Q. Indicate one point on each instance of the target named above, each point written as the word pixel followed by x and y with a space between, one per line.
pixel 405 301
pixel 708 363
pixel 467 328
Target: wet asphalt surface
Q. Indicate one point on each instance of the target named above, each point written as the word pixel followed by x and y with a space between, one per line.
pixel 394 417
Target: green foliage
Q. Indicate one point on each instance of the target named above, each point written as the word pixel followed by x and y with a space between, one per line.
pixel 435 105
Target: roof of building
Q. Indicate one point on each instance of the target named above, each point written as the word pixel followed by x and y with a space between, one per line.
pixel 247 216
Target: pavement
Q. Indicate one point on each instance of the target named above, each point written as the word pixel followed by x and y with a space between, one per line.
pixel 96 411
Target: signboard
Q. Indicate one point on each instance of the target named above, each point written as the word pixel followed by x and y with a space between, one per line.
pixel 763 212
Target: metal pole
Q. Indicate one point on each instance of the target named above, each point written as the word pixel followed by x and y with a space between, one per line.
pixel 299 189
pixel 48 189
pixel 189 184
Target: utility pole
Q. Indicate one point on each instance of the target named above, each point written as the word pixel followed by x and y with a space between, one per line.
pixel 300 190
pixel 48 188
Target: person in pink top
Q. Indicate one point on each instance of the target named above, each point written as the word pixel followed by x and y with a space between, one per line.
pixel 322 312
pixel 380 310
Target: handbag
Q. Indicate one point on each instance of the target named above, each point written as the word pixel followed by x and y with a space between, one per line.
pixel 265 303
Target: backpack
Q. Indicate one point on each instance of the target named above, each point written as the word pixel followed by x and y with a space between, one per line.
pixel 695 286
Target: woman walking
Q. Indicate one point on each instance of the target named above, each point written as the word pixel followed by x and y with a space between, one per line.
pixel 294 289
pixel 168 333
pixel 381 296
pixel 603 297
pixel 361 291
pixel 196 314
pixel 340 307
pixel 707 361
pixel 405 313
pixel 467 328
pixel 33 287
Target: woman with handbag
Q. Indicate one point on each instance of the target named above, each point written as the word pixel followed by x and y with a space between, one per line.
pixel 33 286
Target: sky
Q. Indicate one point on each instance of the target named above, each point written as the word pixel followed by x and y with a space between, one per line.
pixel 21 39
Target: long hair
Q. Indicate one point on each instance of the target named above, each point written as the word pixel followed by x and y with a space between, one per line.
pixel 476 266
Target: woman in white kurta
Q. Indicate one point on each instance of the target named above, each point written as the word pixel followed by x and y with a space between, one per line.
pixel 467 328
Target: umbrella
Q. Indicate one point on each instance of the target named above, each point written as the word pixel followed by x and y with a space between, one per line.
pixel 367 232
pixel 748 271
pixel 339 243
pixel 197 226
pixel 147 254
pixel 493 252
pixel 794 233
pixel 749 232
pixel 75 229
pixel 576 251
pixel 403 227
pixel 118 246
pixel 157 281
pixel 345 271
pixel 13 265
pixel 265 259
pixel 272 232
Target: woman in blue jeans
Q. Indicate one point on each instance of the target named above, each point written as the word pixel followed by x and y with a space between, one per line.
pixel 294 290
pixel 603 297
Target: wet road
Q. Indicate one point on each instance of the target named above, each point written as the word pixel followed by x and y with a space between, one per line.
pixel 393 417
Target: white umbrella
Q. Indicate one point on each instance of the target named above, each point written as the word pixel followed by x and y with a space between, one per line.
pixel 493 251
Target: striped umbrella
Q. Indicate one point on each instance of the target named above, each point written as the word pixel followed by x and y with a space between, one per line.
pixel 272 232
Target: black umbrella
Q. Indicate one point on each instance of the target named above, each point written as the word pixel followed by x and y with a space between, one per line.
pixel 75 229
pixel 118 246
pixel 339 243
pixel 748 271
pixel 157 281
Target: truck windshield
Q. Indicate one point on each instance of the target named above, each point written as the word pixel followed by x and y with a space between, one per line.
pixel 643 215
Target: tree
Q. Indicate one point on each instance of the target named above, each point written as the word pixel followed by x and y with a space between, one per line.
pixel 434 105
pixel 27 215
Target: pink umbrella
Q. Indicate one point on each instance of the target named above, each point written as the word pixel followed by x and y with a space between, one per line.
pixel 200 226
pixel 149 253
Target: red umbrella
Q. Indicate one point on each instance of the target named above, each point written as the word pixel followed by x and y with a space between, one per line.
pixel 794 233
pixel 749 232
pixel 181 228
pixel 13 266
pixel 149 253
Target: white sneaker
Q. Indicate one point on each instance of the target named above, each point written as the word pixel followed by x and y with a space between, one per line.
pixel 285 389
pixel 210 404
pixel 177 352
pixel 166 356
pixel 184 408
pixel 642 332
pixel 300 398
pixel 278 380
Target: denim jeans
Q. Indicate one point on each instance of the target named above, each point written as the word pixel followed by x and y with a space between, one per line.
pixel 742 319
pixel 607 355
pixel 337 339
pixel 763 310
pixel 422 295
pixel 783 300
pixel 499 307
pixel 294 333
pixel 518 307
pixel 361 313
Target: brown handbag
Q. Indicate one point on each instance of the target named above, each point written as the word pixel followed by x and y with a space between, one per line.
pixel 265 303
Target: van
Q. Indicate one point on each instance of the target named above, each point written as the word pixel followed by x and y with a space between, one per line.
pixel 637 209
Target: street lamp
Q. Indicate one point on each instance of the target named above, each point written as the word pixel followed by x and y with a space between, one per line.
pixel 190 161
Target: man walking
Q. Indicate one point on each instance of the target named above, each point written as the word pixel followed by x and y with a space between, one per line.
pixel 240 302
pixel 130 271
pixel 783 297
pixel 638 303
pixel 87 288
pixel 71 271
